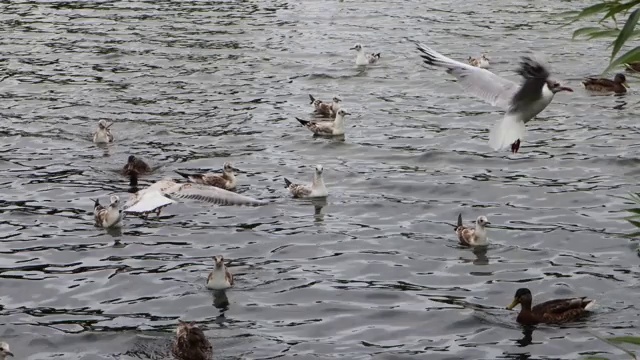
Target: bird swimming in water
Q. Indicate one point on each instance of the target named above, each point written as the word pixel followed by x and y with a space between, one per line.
pixel 480 62
pixel 191 343
pixel 220 278
pixel 618 85
pixel 225 181
pixel 327 128
pixel 314 190
pixel 5 351
pixel 633 67
pixel 473 237
pixel 365 59
pixel 103 133
pixel 549 312
pixel 109 216
pixel 134 168
pixel 324 108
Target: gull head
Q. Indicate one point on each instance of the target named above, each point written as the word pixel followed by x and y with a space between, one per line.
pixel 484 57
pixel 621 79
pixel 357 47
pixel 317 102
pixel 342 113
pixel 228 168
pixel 219 261
pixel 115 200
pixel 102 124
pixel 319 170
pixel 336 99
pixel 482 221
pixel 555 87
pixel 4 350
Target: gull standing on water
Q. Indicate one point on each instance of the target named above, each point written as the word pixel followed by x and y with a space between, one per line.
pixel 324 108
pixel 473 237
pixel 191 343
pixel 327 128
pixel 314 190
pixel 225 181
pixel 4 350
pixel 109 216
pixel 365 59
pixel 103 133
pixel 157 196
pixel 522 102
pixel 220 278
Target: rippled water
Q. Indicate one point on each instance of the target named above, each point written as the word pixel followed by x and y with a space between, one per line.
pixel 377 272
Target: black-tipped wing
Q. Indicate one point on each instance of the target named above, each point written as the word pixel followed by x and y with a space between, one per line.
pixel 535 75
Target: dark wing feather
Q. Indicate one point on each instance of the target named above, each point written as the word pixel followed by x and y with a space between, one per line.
pixel 599 84
pixel 535 75
pixel 559 306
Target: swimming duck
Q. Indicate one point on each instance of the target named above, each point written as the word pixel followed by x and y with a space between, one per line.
pixel 480 62
pixel 225 181
pixel 220 278
pixel 191 343
pixel 135 166
pixel 4 350
pixel 103 133
pixel 618 85
pixel 365 59
pixel 314 190
pixel 324 108
pixel 159 194
pixel 109 216
pixel 327 128
pixel 549 312
pixel 633 67
pixel 473 237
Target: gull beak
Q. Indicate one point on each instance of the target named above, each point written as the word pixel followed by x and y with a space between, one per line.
pixel 108 126
pixel 353 48
pixel 515 302
pixel 236 169
pixel 346 113
pixel 488 223
pixel 564 88
pixel 626 85
pixel 9 353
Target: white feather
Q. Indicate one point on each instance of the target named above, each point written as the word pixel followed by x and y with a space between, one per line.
pixel 506 131
pixel 146 201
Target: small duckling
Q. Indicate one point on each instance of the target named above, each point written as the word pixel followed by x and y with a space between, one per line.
pixel 473 237
pixel 191 343
pixel 220 278
pixel 109 216
pixel 618 85
pixel 225 181
pixel 4 350
pixel 481 62
pixel 103 133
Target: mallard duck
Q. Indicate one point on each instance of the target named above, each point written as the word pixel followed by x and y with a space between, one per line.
pixel 5 351
pixel 618 85
pixel 365 59
pixel 225 181
pixel 109 216
pixel 191 343
pixel 103 133
pixel 473 237
pixel 550 312
pixel 633 67
pixel 325 108
pixel 220 278
pixel 480 62
pixel 314 190
pixel 135 167
pixel 327 128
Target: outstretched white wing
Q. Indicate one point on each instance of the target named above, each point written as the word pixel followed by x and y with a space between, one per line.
pixel 146 201
pixel 212 195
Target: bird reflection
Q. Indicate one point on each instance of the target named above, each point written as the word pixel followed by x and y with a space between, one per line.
pixel 115 231
pixel 620 104
pixel 318 204
pixel 220 300
pixel 528 336
pixel 481 255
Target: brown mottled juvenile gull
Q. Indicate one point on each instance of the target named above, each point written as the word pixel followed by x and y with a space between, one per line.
pixel 109 216
pixel 314 190
pixel 327 128
pixel 103 133
pixel 191 343
pixel 363 58
pixel 220 278
pixel 225 181
pixel 473 236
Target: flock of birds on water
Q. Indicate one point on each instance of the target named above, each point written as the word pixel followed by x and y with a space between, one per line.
pixel 521 102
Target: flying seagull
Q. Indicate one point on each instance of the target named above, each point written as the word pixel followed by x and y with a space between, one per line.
pixel 522 102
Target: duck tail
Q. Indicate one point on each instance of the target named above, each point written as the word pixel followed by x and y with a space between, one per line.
pixel 287 183
pixel 303 122
pixel 459 222
pixel 184 175
pixel 311 98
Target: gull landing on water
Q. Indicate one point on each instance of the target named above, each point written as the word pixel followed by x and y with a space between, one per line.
pixel 109 216
pixel 103 134
pixel 522 102
pixel 326 109
pixel 327 128
pixel 365 59
pixel 480 62
pixel 315 190
pixel 220 278
pixel 473 237
pixel 5 351
pixel 159 194
pixel 191 343
pixel 225 181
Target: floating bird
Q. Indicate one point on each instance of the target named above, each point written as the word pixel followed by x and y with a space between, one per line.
pixel 522 103
pixel 481 62
pixel 326 109
pixel 365 59
pixel 327 128
pixel 550 312
pixel 220 278
pixel 473 237
pixel 191 343
pixel 134 168
pixel 103 134
pixel 161 193
pixel 618 85
pixel 315 190
pixel 4 350
pixel 633 67
pixel 109 216
pixel 225 181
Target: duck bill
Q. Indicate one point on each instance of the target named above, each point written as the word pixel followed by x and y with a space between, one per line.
pixel 626 85
pixel 513 304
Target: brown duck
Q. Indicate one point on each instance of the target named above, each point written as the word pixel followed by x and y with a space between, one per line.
pixel 618 85
pixel 191 343
pixel 549 312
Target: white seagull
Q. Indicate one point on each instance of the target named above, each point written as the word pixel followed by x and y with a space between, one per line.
pixel 109 216
pixel 522 102
pixel 476 236
pixel 4 350
pixel 220 278
pixel 161 193
pixel 315 190
pixel 103 133
pixel 327 128
pixel 365 59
